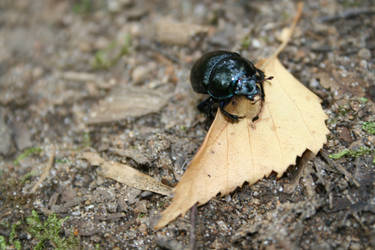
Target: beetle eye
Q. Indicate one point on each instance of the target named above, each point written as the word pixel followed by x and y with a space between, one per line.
pixel 250 88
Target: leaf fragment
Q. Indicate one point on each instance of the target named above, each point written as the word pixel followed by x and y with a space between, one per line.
pixel 127 175
pixel 128 101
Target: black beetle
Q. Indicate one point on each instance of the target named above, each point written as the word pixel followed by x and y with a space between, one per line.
pixel 224 74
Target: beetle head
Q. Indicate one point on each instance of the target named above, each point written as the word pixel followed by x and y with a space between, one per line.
pixel 246 87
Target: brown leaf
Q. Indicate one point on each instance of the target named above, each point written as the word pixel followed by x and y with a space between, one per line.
pixel 291 120
pixel 172 32
pixel 127 101
pixel 127 175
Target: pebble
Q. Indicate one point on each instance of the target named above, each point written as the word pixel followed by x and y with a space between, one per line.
pixel 256 43
pixel 112 207
pixel 22 137
pixel 355 246
pixel 141 73
pixel 131 195
pixel 222 225
pixel 146 194
pixel 364 53
pixel 141 207
pixel 314 83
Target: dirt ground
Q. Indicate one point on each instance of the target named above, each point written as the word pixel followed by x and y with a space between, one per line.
pixel 112 77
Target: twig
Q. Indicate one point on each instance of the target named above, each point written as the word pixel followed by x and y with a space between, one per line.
pixel 302 163
pixel 351 13
pixel 291 29
pixel 356 217
pixel 262 64
pixel 79 76
pixel 193 219
pixel 46 170
pixel 340 168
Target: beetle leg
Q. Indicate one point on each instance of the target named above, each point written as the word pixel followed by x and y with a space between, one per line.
pixel 262 79
pixel 222 104
pixel 262 95
pixel 205 106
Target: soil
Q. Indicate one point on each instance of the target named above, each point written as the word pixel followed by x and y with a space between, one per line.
pixel 66 70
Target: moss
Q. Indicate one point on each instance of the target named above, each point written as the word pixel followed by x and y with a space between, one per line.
pixel 350 3
pixel 245 44
pixel 369 127
pixel 343 110
pixel 27 176
pixel 49 231
pixel 108 57
pixel 26 153
pixel 363 99
pixel 141 215
pixel 86 142
pixel 13 242
pixel 83 7
pixel 62 160
pixel 352 153
pixel 339 154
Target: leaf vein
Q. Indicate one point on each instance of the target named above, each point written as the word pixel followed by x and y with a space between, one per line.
pixel 276 133
pixel 299 111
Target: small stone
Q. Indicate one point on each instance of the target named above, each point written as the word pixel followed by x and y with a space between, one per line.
pixel 344 134
pixel 140 74
pixel 222 225
pixel 314 83
pixel 364 53
pixel 112 207
pixel 113 6
pixel 371 140
pixel 131 195
pixel 87 228
pixel 256 43
pixel 363 64
pixel 143 228
pixel 104 194
pixel 169 31
pixel 22 137
pixel 355 246
pixel 96 238
pixel 146 194
pixel 123 205
pixel 141 207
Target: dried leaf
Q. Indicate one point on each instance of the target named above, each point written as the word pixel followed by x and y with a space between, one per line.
pixel 127 175
pixel 291 121
pixel 127 101
pixel 172 32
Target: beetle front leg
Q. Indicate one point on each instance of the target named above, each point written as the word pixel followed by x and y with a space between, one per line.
pixel 261 80
pixel 202 107
pixel 262 95
pixel 232 117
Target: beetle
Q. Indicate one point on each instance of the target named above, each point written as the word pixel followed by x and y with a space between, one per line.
pixel 223 74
